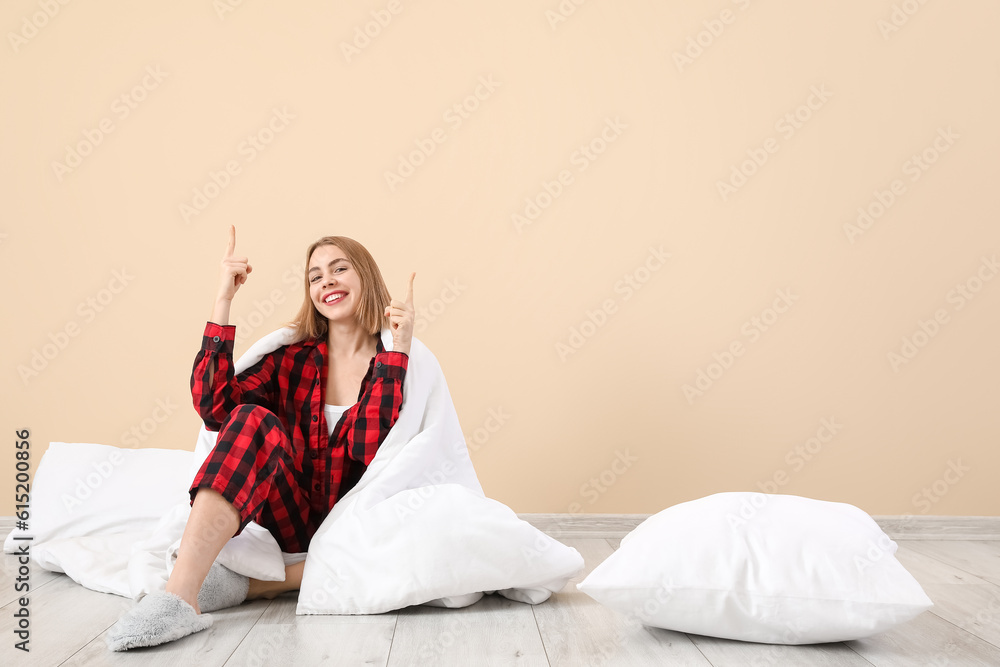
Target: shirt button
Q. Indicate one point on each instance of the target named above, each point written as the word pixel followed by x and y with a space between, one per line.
pixel 315 418
pixel 313 454
pixel 378 364
pixel 316 486
pixel 215 339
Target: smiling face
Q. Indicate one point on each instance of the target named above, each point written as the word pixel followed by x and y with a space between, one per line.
pixel 334 284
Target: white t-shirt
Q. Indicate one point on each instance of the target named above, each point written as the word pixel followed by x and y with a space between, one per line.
pixel 333 414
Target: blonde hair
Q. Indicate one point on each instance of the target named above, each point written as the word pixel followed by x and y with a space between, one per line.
pixel 309 323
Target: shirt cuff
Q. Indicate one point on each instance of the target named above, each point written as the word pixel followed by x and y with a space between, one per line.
pixel 391 364
pixel 218 337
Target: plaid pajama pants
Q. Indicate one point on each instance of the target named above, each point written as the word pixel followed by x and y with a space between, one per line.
pixel 254 466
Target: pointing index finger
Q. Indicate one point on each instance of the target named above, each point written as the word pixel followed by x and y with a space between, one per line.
pixel 231 245
pixel 409 289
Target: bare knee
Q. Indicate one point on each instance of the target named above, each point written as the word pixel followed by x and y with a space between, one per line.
pixel 222 513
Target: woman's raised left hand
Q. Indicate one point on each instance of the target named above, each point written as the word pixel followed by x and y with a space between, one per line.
pixel 400 314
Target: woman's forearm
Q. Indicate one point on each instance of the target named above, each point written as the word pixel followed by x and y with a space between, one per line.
pixel 220 313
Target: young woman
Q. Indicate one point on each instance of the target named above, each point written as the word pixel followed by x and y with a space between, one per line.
pixel 296 430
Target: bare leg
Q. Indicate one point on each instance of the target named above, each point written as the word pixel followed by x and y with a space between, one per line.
pixel 212 522
pixel 271 589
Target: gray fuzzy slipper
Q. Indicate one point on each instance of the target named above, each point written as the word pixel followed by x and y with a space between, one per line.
pixel 157 618
pixel 222 588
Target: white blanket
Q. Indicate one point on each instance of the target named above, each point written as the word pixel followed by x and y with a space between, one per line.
pixel 415 529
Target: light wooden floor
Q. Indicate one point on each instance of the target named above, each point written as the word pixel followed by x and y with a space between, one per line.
pixel 68 623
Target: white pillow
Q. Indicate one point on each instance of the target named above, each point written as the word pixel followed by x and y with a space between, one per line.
pixel 757 567
pixel 88 489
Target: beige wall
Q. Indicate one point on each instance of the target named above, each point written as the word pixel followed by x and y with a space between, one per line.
pixel 777 266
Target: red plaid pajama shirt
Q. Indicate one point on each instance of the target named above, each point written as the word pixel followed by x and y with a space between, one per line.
pixel 273 459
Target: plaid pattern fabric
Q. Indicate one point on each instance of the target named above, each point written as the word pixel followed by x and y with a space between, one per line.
pixel 274 458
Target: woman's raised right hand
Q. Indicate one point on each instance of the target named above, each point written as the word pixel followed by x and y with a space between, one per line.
pixel 234 269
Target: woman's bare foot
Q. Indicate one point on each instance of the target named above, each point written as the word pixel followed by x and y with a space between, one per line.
pixel 264 589
pixel 272 589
